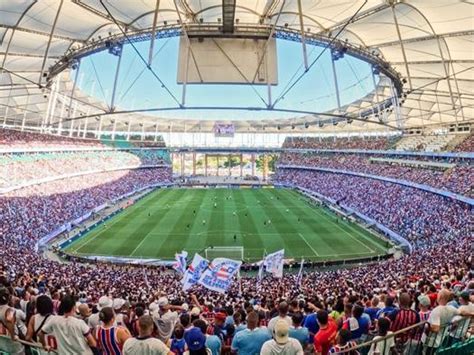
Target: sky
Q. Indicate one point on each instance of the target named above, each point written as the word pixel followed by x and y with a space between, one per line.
pixel 137 88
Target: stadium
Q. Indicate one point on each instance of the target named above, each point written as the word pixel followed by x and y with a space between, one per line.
pixel 236 177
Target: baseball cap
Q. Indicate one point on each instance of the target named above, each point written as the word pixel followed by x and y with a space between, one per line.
pixel 195 339
pixel 280 331
pixel 104 301
pixel 424 300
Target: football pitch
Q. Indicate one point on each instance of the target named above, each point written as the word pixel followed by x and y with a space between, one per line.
pixel 260 220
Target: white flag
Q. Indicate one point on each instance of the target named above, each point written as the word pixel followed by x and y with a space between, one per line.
pixel 194 271
pixel 274 263
pixel 300 274
pixel 180 264
pixel 218 277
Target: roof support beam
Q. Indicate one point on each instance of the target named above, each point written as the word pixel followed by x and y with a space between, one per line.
pixel 424 38
pixel 360 16
pixel 46 53
pixel 228 16
pixel 402 46
pixel 461 61
pixel 153 33
pixel 303 41
pixel 40 33
pixel 101 14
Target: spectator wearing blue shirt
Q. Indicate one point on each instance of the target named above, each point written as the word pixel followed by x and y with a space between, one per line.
pixel 213 342
pixel 358 324
pixel 388 309
pixel 298 332
pixel 250 341
pixel 373 309
pixel 239 326
pixel 310 321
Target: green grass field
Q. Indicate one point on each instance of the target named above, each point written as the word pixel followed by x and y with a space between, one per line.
pixel 164 222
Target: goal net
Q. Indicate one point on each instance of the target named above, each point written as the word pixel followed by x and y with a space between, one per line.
pixel 235 253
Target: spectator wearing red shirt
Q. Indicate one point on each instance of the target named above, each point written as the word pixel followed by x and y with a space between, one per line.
pixel 326 336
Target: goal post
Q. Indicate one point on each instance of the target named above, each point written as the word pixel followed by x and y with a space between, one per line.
pixel 235 253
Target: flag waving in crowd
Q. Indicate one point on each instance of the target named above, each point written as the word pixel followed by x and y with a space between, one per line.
pixel 194 271
pixel 180 264
pixel 220 273
pixel 299 277
pixel 274 263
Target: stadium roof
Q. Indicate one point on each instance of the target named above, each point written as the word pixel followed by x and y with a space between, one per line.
pixel 429 43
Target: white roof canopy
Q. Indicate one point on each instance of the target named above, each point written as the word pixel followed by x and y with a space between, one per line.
pixel 429 42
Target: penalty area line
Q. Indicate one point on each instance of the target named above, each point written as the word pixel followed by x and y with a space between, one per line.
pixel 312 249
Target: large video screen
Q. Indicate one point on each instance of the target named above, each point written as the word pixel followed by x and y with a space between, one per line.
pixel 224 130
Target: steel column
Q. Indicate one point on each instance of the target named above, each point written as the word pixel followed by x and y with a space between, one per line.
pixel 114 88
pixel 336 85
pixel 303 41
pixel 74 88
pixel 153 33
pixel 48 45
pixel 128 130
pixel 24 113
pixel 402 46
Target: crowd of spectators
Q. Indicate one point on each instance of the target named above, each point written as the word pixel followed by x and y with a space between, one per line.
pixel 458 179
pixel 28 140
pixel 363 143
pixel 466 145
pixel 18 169
pixel 420 216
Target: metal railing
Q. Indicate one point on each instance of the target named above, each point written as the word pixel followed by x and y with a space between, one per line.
pixel 9 346
pixel 417 339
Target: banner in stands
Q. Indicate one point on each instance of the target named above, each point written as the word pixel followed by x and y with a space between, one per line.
pixel 180 264
pixel 274 263
pixel 194 271
pixel 220 273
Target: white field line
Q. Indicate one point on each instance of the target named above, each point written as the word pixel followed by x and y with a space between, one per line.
pixel 312 249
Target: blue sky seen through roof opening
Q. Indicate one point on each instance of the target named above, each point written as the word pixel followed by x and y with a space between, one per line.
pixel 138 89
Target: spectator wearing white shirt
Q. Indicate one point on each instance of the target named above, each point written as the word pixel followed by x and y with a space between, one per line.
pixel 144 343
pixel 281 342
pixel 72 334
pixel 282 315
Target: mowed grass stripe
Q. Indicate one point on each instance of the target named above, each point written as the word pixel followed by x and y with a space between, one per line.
pixel 249 238
pixel 340 229
pixel 299 217
pixel 286 237
pixel 320 235
pixel 144 224
pixel 155 232
pixel 134 226
pixel 140 228
pixel 180 233
pixel 196 240
pixel 296 216
pixel 123 227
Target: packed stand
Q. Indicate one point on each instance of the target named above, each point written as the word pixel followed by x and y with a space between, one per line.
pixel 363 143
pixel 18 169
pixel 458 179
pixel 422 217
pixel 10 139
pixel 467 145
